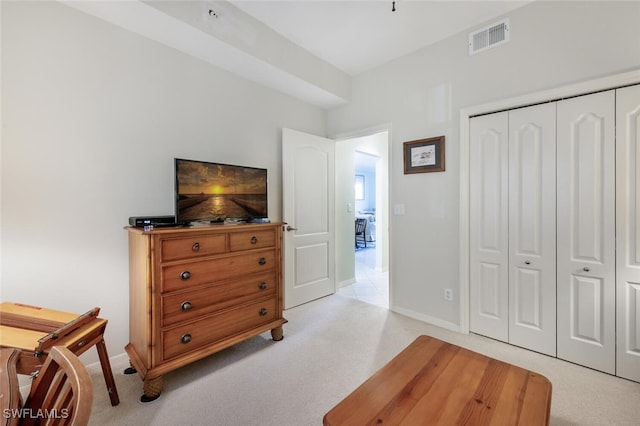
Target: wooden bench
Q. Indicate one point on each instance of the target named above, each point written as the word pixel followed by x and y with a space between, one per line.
pixel 434 382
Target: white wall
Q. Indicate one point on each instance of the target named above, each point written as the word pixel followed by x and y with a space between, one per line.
pixel 92 118
pixel 552 44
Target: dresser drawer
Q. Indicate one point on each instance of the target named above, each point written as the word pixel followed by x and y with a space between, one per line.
pixel 252 240
pixel 185 248
pixel 216 327
pixel 191 274
pixel 188 305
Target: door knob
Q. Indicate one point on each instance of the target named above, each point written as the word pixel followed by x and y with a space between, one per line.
pixel 291 228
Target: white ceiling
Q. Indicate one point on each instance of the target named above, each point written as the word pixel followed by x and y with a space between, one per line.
pixel 307 49
pixel 357 36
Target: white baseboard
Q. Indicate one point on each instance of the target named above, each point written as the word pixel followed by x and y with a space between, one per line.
pixel 116 361
pixel 346 282
pixel 427 318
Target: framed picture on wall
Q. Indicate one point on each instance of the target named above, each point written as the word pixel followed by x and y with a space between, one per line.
pixel 424 155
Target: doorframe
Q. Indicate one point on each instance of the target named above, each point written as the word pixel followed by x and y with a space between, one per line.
pixel 369 131
pixel 562 92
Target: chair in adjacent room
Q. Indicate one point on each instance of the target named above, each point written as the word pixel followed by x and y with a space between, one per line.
pixel 361 228
pixel 62 391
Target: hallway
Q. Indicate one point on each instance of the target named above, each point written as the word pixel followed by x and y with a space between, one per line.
pixel 371 286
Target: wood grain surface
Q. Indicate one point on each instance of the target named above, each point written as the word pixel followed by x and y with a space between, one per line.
pixel 433 382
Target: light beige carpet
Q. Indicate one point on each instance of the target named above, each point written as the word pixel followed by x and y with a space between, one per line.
pixel 330 347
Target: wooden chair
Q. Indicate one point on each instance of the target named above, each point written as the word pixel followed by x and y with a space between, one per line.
pixel 10 399
pixel 361 227
pixel 61 394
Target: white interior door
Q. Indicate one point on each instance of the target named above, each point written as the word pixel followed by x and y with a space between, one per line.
pixel 628 231
pixel 586 230
pixel 488 237
pixel 532 228
pixel 308 209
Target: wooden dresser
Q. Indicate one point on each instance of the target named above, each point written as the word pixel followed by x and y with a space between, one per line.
pixel 194 291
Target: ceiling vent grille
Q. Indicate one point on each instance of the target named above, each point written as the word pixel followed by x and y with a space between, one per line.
pixel 488 37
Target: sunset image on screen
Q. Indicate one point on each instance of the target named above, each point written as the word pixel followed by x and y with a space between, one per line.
pixel 211 191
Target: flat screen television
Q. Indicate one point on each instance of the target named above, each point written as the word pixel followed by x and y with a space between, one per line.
pixel 215 192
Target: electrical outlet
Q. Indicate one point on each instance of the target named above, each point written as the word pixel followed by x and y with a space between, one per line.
pixel 448 294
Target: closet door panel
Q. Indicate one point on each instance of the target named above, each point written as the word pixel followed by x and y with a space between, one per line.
pixel 532 228
pixel 628 231
pixel 586 230
pixel 488 237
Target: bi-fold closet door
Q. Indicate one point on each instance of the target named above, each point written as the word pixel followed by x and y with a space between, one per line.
pixel 586 230
pixel 512 227
pixel 628 232
pixel 526 251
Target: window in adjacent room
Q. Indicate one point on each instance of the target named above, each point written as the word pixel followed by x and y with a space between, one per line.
pixel 359 187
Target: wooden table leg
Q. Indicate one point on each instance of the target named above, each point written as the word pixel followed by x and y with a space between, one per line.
pixel 107 373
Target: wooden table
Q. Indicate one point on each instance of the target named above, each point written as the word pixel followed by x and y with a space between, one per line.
pixel 434 382
pixel 34 330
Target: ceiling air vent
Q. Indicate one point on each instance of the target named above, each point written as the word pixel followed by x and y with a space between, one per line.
pixel 488 37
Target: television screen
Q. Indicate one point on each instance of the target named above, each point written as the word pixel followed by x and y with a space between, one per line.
pixel 215 192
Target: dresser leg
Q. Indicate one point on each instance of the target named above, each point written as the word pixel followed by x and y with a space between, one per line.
pixel 152 389
pixel 277 333
pixel 130 369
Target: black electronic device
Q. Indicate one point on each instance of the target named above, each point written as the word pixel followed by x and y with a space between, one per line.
pixel 142 221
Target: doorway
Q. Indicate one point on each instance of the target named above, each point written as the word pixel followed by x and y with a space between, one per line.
pixel 363 186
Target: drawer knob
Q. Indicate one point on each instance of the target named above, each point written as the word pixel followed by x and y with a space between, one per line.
pixel 262 261
pixel 195 246
pixel 186 338
pixel 185 275
pixel 263 312
pixel 586 269
pixel 254 240
pixel 263 285
pixel 186 306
